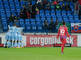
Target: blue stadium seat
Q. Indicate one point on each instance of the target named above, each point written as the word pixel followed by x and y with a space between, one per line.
pixel 63 12
pixel 1 7
pixel 71 21
pixel 48 19
pixel 38 23
pixel 4 0
pixel 26 3
pixel 21 23
pixel 8 14
pixel 22 3
pixel 18 7
pixel 34 28
pixel 39 28
pixel 10 0
pixel 47 15
pixel 47 12
pixel 77 21
pixel 52 11
pixel 7 7
pixel 54 19
pixel 41 11
pixel 27 20
pixel 27 28
pixel 42 15
pixel 76 18
pixel 33 2
pixel 5 26
pixel 37 16
pixel 33 23
pixel 66 21
pixel 16 1
pixel 42 19
pixel 17 4
pixel 54 16
pixel 70 18
pixel 38 20
pixel 65 18
pixel 18 11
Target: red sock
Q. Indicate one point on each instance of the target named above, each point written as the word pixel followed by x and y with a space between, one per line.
pixel 62 48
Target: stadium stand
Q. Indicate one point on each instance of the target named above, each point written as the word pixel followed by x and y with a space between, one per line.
pixel 9 7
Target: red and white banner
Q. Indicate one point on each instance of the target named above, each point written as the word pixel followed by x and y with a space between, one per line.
pixel 47 40
pixel 74 40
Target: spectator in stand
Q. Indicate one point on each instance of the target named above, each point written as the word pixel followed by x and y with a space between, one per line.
pixel 39 1
pixel 37 10
pixel 52 6
pixel 45 26
pixel 48 6
pixel 24 12
pixel 76 8
pixel 79 2
pixel 45 2
pixel 58 7
pixel 51 26
pixel 56 26
pixel 16 21
pixel 40 6
pixel 34 11
pixel 21 14
pixel 67 7
pixel 29 8
pixel 24 8
pixel 55 3
pixel 74 1
pixel 11 18
pixel 63 7
pixel 28 14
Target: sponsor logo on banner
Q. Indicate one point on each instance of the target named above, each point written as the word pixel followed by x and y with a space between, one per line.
pixel 47 40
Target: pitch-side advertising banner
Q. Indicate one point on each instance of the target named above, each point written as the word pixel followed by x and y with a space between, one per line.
pixel 48 40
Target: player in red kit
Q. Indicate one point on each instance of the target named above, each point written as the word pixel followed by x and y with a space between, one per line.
pixel 63 33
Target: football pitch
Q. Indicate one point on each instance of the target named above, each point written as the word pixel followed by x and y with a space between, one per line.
pixel 40 53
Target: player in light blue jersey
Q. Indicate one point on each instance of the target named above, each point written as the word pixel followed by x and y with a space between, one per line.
pixel 8 39
pixel 13 30
pixel 19 30
pixel 19 40
pixel 15 40
pixel 15 36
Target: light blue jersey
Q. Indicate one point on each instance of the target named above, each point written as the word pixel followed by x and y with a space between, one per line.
pixel 9 44
pixel 20 37
pixel 19 30
pixel 14 35
pixel 20 40
pixel 9 36
pixel 15 38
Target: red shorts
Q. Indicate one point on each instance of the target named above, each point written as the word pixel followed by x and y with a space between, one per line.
pixel 63 40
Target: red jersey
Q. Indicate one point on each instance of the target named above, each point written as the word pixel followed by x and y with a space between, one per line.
pixel 63 31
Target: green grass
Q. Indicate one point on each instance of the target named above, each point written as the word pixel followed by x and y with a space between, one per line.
pixel 40 54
